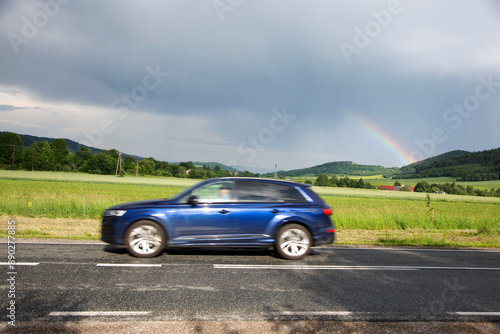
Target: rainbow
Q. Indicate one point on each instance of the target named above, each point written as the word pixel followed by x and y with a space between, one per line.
pixel 404 155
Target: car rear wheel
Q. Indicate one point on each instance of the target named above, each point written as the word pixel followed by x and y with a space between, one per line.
pixel 293 242
pixel 145 239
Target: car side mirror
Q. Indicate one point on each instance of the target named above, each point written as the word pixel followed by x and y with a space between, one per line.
pixel 193 200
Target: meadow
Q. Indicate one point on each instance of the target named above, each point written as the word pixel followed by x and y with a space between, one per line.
pixel 69 205
pixel 379 180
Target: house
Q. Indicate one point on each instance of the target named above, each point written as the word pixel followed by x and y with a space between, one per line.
pixel 396 188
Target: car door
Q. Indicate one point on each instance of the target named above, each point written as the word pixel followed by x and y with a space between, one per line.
pixel 208 221
pixel 256 208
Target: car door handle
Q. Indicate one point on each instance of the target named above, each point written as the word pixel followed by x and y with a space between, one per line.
pixel 223 211
pixel 275 211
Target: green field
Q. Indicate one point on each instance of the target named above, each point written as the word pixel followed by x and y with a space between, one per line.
pixel 70 205
pixel 379 180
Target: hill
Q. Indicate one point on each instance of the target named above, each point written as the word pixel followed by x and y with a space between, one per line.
pixel 340 168
pixel 72 145
pixel 476 166
pixel 412 168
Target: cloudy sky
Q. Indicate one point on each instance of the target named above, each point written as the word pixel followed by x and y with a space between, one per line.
pixel 254 83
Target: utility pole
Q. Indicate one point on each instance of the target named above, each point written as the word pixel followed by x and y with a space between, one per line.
pixel 119 163
pixel 275 171
pixel 137 167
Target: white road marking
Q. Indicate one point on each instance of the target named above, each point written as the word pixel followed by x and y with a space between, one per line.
pixel 305 267
pixel 480 314
pixel 98 314
pixel 127 265
pixel 312 313
pixel 347 314
pixel 19 264
pixel 69 242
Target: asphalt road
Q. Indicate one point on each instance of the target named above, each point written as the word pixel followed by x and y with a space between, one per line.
pixel 61 282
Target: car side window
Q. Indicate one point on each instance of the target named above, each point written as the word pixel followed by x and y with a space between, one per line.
pixel 254 191
pixel 290 194
pixel 215 192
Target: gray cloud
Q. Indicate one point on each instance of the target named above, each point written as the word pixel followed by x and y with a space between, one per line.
pixel 423 59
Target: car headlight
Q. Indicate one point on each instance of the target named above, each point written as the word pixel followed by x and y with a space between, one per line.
pixel 114 213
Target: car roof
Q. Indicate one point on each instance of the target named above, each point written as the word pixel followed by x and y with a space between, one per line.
pixel 290 183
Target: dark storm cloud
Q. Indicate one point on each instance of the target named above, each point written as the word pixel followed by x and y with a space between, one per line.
pixel 234 67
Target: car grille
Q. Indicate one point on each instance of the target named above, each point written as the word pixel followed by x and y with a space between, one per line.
pixel 107 232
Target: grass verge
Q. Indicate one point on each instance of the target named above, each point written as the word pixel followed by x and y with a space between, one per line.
pixel 89 229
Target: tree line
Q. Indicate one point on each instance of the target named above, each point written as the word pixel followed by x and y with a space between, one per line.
pixel 55 156
pixel 344 182
pixel 423 186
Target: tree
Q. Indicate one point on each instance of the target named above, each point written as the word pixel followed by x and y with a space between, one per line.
pixel 148 164
pixel 353 183
pixel 62 156
pixel 422 186
pixel 44 159
pixel 188 165
pixel 11 148
pixel 129 164
pixel 113 153
pixel 397 184
pixel 102 163
pixel 82 155
pixel 322 181
pixel 222 173
pixel 29 157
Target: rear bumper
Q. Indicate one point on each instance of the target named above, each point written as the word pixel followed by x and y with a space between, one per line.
pixel 324 238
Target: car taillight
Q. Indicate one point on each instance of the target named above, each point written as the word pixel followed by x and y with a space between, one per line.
pixel 328 212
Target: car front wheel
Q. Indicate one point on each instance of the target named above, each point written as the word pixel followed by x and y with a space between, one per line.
pixel 145 239
pixel 293 242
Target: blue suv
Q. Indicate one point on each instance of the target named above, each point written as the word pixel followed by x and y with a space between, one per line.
pixel 224 212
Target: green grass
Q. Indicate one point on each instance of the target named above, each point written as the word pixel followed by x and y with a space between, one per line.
pixel 72 199
pixel 386 194
pixel 94 178
pixel 398 214
pixel 379 180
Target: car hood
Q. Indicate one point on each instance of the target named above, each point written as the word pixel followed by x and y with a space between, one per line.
pixel 142 204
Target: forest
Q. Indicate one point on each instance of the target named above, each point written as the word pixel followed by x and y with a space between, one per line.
pixel 55 156
pixel 463 166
